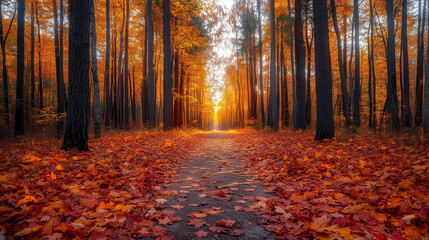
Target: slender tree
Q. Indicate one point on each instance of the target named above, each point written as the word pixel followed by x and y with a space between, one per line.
pixel 325 119
pixel 19 112
pixel 274 109
pixel 107 68
pixel 76 134
pixel 97 107
pixel 356 95
pixel 406 78
pixel 426 89
pixel 59 75
pixel 3 39
pixel 346 108
pixel 32 76
pixel 151 77
pixel 119 95
pixel 392 98
pixel 167 67
pixel 261 70
pixel 373 118
pixel 39 53
pixel 292 66
pixel 300 67
pixel 127 105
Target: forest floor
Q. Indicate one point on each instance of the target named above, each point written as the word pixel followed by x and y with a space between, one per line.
pixel 215 185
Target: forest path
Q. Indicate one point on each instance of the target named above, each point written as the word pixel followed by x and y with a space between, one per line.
pixel 214 190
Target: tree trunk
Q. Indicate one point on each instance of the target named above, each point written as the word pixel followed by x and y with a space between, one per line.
pixel 33 81
pixel 40 59
pixel 59 75
pixel 392 98
pixel 325 119
pixel 261 70
pixel 308 85
pixel 167 67
pixel 426 89
pixel 346 108
pixel 76 135
pixel 420 62
pixel 19 113
pixel 126 77
pixel 300 67
pixel 119 99
pixel 374 114
pixel 97 125
pixel 273 110
pixel 151 78
pixel 107 68
pixel 356 95
pixel 406 109
pixel 292 67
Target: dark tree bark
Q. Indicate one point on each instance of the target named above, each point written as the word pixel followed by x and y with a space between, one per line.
pixel 97 107
pixel 175 89
pixel 127 105
pixel 39 52
pixel 300 67
pixel 406 72
pixel 274 109
pixel 119 95
pixel 19 113
pixel 33 81
pixel 261 70
pixel 151 77
pixel 292 67
pixel 356 95
pixel 426 89
pixel 420 60
pixel 373 116
pixel 59 72
pixel 308 44
pixel 3 39
pixel 346 108
pixel 325 119
pixel 167 67
pixel 107 68
pixel 392 98
pixel 76 134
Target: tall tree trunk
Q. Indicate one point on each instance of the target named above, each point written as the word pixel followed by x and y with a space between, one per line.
pixel 356 95
pixel 126 77
pixel 300 67
pixel 39 52
pixel 273 110
pixel 392 98
pixel 308 44
pixel 406 78
pixel 151 77
pixel 420 60
pixel 107 68
pixel 292 66
pixel 76 134
pixel 19 113
pixel 97 107
pixel 167 67
pixel 59 75
pixel 426 89
pixel 346 108
pixel 119 98
pixel 325 119
pixel 3 39
pixel 33 81
pixel 374 114
pixel 261 70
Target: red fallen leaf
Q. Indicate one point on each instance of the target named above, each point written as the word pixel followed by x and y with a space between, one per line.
pixel 238 208
pixel 218 229
pixel 201 233
pixel 197 223
pixel 182 199
pixel 194 205
pixel 226 223
pixel 379 236
pixel 164 221
pixel 197 215
pixel 158 231
pixel 129 222
pixel 237 232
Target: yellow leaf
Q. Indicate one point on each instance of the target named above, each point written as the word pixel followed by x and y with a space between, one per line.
pixel 285 157
pixel 381 217
pixel 329 156
pixel 339 195
pixel 362 163
pixel 89 168
pixel 24 232
pixel 318 155
pixel 405 183
pixel 118 207
pixel 59 167
pixel 305 158
pixel 126 208
pixel 52 176
pixel 328 174
pixel 102 205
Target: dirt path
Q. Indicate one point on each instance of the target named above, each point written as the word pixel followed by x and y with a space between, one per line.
pixel 214 196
